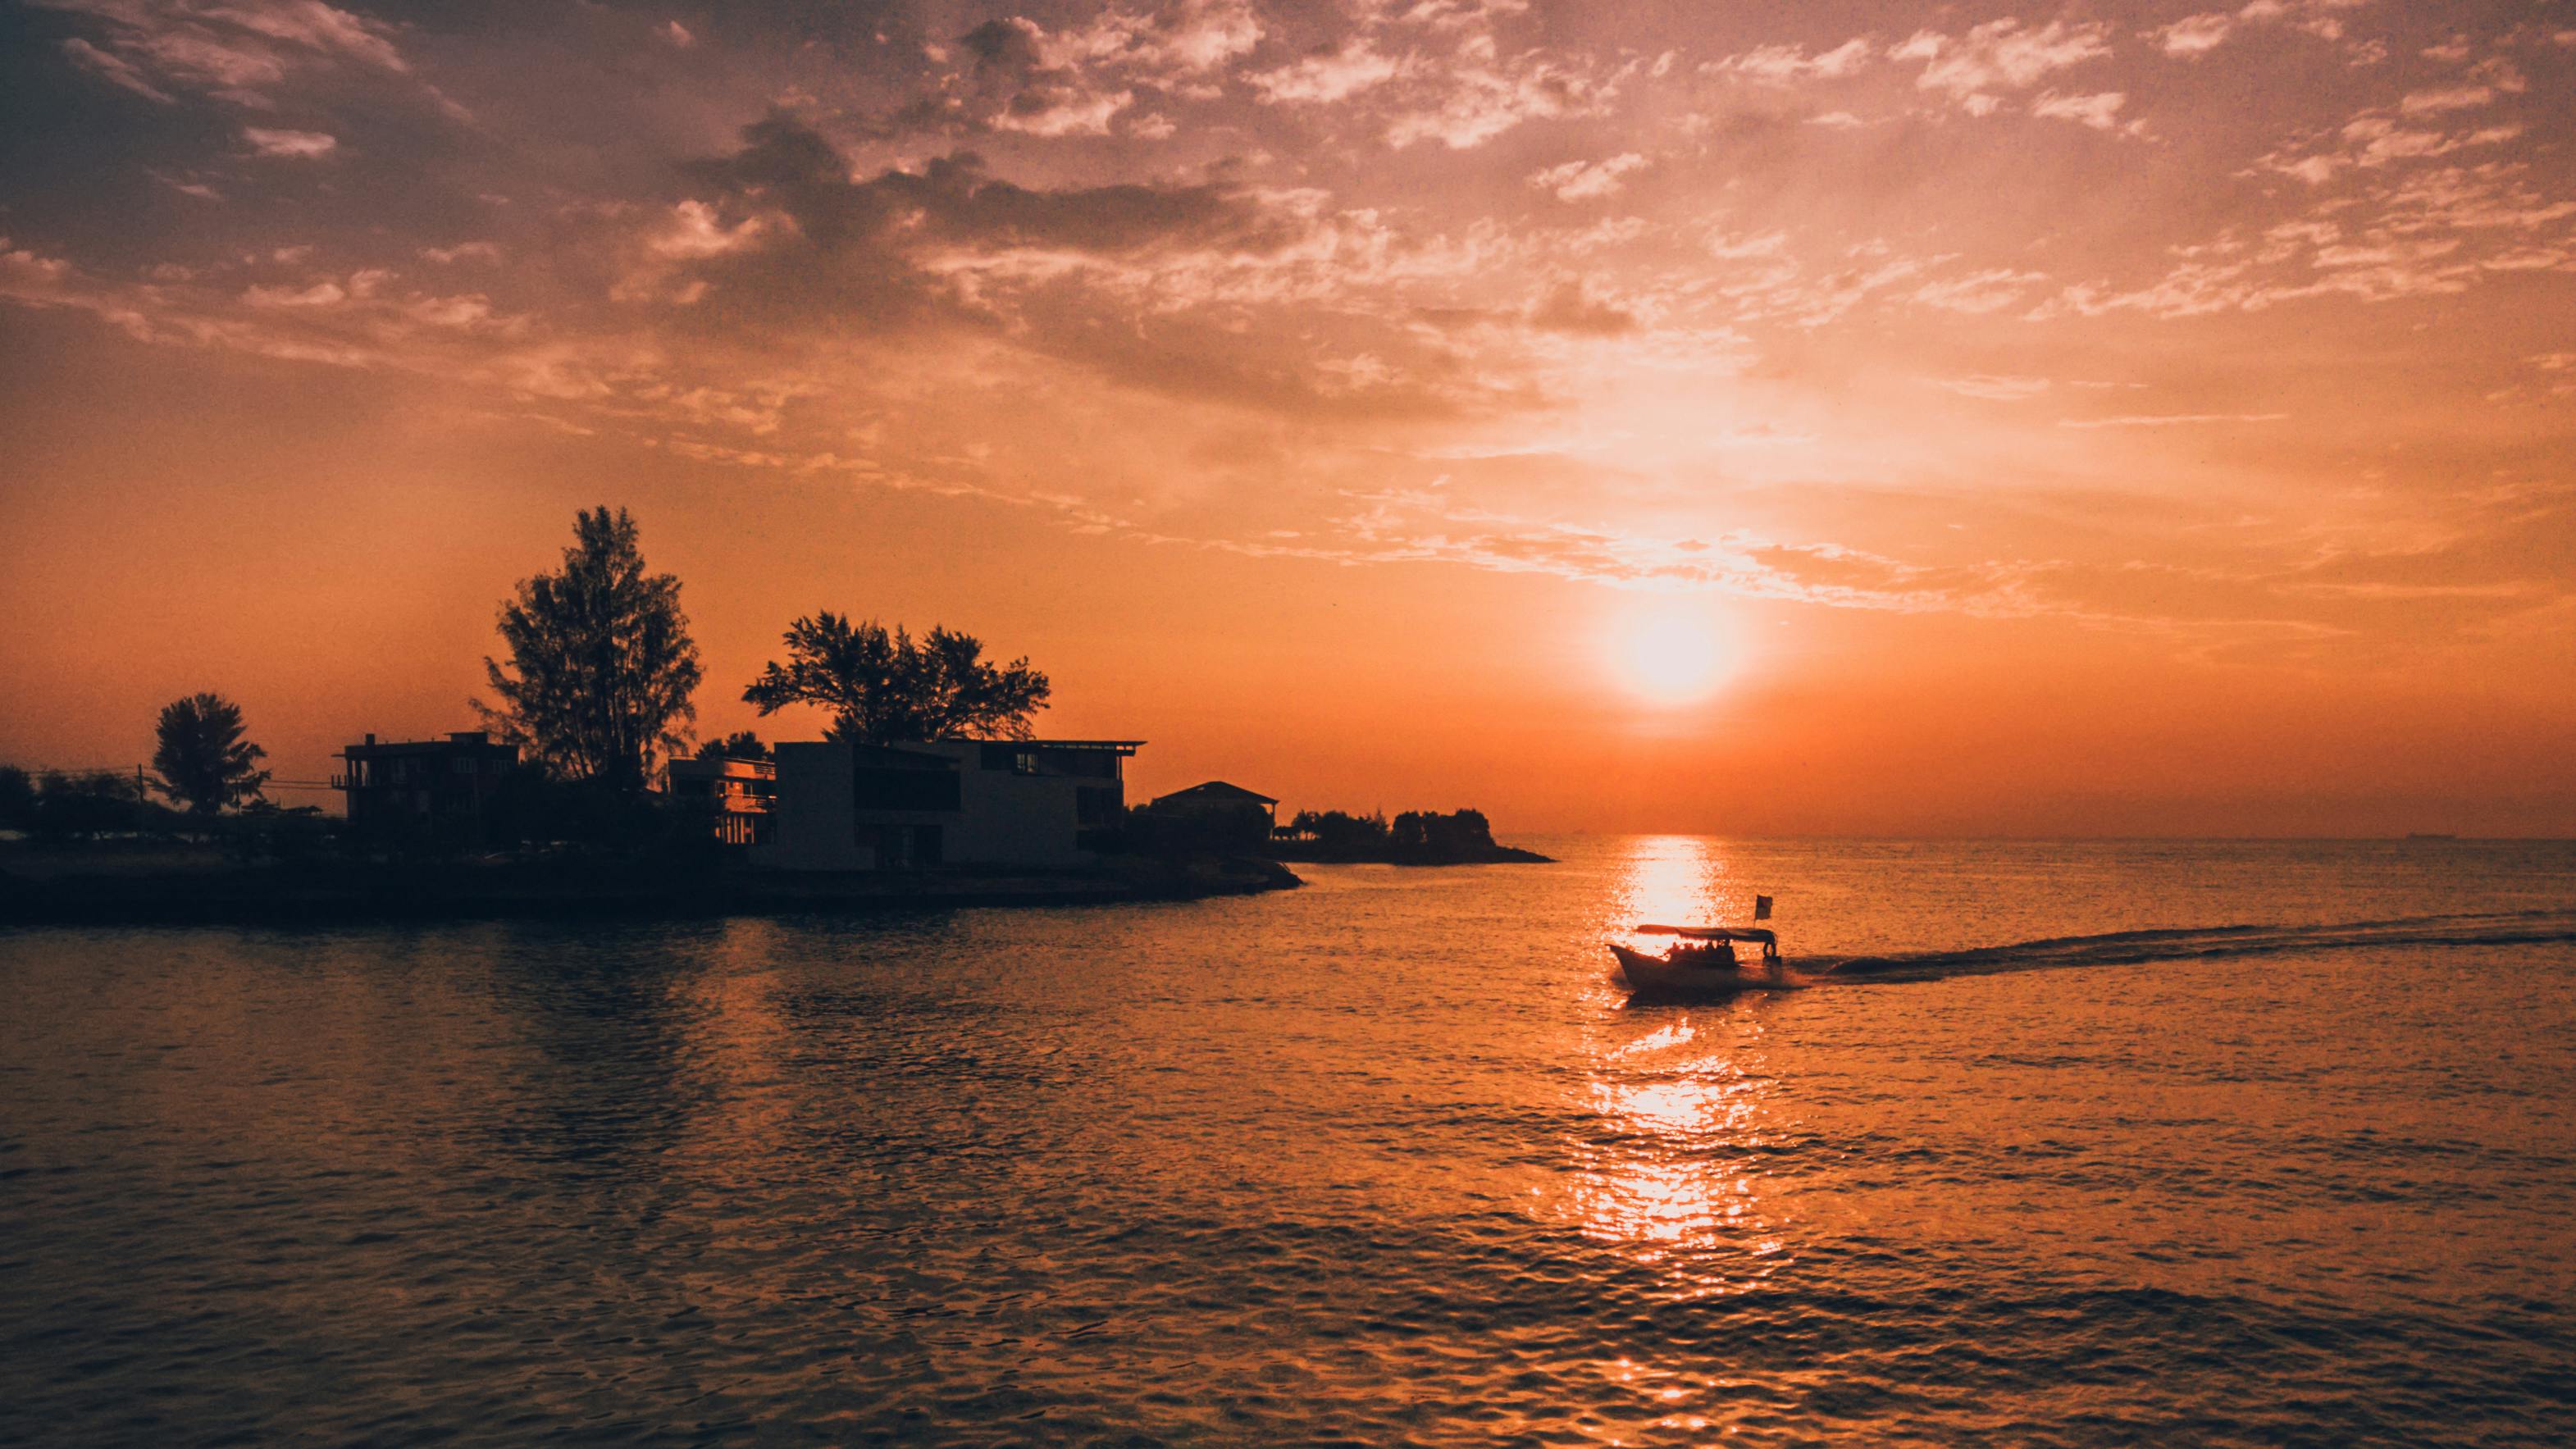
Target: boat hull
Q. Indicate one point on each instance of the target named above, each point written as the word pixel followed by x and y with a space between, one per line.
pixel 1653 976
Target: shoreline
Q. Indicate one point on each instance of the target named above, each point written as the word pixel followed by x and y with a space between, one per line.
pixel 344 893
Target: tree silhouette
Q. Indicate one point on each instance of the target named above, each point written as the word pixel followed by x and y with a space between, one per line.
pixel 1340 831
pixel 884 687
pixel 201 758
pixel 740 745
pixel 17 798
pixel 86 803
pixel 604 662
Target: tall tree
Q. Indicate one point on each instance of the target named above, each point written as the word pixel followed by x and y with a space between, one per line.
pixel 201 758
pixel 883 686
pixel 603 659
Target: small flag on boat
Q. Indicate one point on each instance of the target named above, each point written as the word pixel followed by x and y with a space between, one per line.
pixel 1761 908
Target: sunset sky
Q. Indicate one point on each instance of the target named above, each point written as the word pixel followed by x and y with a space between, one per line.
pixel 2110 419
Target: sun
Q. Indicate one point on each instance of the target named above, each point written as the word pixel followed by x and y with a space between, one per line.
pixel 1669 651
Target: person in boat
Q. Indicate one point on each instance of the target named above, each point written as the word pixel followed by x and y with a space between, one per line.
pixel 1705 955
pixel 1713 948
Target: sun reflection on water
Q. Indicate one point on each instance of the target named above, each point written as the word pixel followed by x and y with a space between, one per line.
pixel 1675 880
pixel 1670 878
pixel 1676 1112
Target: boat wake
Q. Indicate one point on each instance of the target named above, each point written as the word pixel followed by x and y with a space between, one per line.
pixel 2118 948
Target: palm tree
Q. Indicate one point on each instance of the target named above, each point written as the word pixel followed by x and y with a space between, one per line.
pixel 201 758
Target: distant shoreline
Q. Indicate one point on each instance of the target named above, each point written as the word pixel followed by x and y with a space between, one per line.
pixel 1413 837
pixel 1307 852
pixel 67 895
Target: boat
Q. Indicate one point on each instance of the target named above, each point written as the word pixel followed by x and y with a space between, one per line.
pixel 1701 962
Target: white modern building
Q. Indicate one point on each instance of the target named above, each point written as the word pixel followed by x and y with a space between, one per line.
pixel 739 789
pixel 1037 803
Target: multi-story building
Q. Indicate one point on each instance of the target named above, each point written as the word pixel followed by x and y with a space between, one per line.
pixel 441 790
pixel 741 789
pixel 1041 803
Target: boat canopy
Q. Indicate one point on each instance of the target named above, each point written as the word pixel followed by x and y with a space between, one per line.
pixel 1713 933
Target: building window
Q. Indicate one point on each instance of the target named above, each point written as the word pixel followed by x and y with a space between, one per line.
pixel 1024 763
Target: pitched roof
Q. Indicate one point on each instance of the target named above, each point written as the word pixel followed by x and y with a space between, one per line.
pixel 1216 790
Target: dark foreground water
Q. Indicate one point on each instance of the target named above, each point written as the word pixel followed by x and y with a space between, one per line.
pixel 1387 1159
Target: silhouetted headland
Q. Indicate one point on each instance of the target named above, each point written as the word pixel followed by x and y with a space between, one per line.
pixel 1416 837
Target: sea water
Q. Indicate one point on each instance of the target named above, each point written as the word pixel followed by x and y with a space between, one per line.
pixel 2055 1157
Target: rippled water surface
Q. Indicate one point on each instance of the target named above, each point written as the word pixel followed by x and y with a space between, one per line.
pixel 1386 1159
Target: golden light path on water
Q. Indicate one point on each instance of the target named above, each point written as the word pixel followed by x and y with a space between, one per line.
pixel 1668 1160
pixel 1385 1159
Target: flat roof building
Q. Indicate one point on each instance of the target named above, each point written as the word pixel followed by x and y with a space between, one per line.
pixel 439 790
pixel 741 790
pixel 1051 804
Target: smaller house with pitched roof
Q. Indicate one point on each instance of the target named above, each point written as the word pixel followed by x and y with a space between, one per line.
pixel 1215 815
pixel 1216 797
